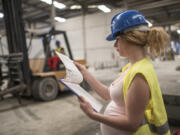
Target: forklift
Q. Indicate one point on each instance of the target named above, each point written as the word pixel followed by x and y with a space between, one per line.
pixel 45 81
pixel 24 76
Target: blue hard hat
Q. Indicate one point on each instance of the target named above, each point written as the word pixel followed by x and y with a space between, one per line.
pixel 58 42
pixel 124 20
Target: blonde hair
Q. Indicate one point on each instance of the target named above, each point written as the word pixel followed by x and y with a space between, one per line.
pixel 153 40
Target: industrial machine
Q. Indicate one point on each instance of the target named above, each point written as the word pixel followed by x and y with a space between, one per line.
pixel 24 76
pixel 45 81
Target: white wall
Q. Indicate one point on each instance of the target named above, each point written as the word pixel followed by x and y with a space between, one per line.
pixel 97 27
pixel 36 50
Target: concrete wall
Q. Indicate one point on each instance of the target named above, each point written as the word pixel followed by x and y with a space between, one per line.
pixel 97 27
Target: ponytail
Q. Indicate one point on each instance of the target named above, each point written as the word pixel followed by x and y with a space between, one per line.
pixel 154 40
pixel 157 39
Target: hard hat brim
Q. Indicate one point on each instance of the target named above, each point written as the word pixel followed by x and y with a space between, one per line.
pixel 110 37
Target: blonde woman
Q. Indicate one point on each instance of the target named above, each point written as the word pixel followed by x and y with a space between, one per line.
pixel 136 105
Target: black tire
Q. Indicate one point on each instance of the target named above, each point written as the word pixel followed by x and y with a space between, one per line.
pixel 35 89
pixel 48 89
pixel 85 85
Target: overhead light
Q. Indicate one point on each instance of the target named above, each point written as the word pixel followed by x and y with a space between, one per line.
pixel 59 5
pixel 1 15
pixel 178 31
pixel 60 19
pixel 47 1
pixel 104 8
pixel 149 24
pixel 55 3
pixel 75 7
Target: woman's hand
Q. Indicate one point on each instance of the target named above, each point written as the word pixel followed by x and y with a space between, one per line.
pixel 86 107
pixel 81 67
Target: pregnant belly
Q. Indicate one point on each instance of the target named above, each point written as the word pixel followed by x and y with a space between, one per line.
pixel 113 109
pixel 107 130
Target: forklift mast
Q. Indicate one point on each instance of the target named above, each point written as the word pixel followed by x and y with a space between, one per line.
pixel 16 35
pixel 47 47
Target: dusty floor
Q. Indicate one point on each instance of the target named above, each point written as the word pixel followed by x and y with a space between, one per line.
pixel 59 117
pixel 63 116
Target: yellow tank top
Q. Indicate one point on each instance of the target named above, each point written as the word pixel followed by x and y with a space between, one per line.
pixel 155 117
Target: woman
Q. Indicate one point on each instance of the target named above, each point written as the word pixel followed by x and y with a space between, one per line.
pixel 136 105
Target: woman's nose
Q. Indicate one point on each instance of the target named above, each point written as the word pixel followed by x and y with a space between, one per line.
pixel 115 44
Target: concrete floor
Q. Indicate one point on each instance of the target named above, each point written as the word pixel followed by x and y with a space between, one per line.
pixel 63 116
pixel 59 117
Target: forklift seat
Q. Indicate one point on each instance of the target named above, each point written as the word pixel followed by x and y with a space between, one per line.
pixel 36 65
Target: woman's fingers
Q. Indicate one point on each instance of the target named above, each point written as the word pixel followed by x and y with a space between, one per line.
pixel 81 98
pixel 79 66
pixel 86 107
pixel 84 103
pixel 81 105
pixel 76 64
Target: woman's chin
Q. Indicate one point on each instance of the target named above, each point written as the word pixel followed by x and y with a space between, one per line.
pixel 121 55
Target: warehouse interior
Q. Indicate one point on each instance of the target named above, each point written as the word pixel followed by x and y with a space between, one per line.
pixel 33 101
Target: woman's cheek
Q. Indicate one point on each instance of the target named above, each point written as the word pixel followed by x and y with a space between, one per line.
pixel 121 51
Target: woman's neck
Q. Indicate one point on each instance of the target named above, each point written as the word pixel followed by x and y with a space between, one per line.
pixel 136 54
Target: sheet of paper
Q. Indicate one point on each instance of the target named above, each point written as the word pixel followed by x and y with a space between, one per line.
pixel 79 91
pixel 72 73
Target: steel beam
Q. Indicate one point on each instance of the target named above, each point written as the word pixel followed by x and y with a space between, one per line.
pixel 19 88
pixel 161 12
pixel 167 23
pixel 155 4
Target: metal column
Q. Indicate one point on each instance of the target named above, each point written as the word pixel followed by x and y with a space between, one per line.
pixel 68 46
pixel 15 34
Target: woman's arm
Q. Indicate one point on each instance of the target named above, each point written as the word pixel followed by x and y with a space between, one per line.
pixel 137 98
pixel 101 89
